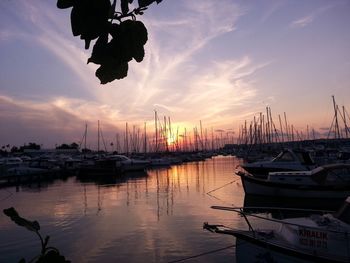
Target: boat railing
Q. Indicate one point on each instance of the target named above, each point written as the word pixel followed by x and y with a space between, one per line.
pixel 245 215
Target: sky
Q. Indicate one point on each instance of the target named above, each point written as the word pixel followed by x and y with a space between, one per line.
pixel 217 63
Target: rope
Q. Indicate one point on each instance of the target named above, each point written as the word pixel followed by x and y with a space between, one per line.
pixel 202 254
pixel 209 193
pixel 222 186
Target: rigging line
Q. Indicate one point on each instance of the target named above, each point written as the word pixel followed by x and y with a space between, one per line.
pixel 223 186
pixel 217 198
pixel 202 254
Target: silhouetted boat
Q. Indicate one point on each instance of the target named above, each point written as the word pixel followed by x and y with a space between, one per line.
pixel 317 238
pixel 287 160
pixel 99 167
pixel 328 181
pixel 15 167
pixel 126 164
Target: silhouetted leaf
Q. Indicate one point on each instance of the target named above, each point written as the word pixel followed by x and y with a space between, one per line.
pixel 30 225
pixel 62 4
pixel 100 52
pixel 110 72
pixel 77 21
pixel 89 19
pixel 112 9
pixel 52 256
pixel 140 35
pixel 143 3
pixel 124 5
pixel 118 40
pixel 139 54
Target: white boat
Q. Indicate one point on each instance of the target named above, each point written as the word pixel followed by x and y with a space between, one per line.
pixel 328 181
pixel 287 160
pixel 126 164
pixel 14 166
pixel 317 238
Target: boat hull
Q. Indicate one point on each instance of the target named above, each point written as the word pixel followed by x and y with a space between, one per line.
pixel 251 249
pixel 256 186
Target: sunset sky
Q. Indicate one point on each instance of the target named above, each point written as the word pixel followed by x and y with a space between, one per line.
pixel 218 62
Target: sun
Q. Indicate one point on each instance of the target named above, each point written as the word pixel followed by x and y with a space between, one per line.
pixel 171 140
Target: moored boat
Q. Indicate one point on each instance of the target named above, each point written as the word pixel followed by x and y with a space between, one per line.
pixel 328 181
pixel 126 164
pixel 317 238
pixel 287 160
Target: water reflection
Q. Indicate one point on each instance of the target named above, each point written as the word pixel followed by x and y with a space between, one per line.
pixel 157 215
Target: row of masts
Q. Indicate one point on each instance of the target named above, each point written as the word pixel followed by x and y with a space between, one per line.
pixel 263 129
pixel 165 138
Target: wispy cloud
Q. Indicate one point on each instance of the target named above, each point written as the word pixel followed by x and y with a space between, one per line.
pixel 52 121
pixel 170 79
pixel 302 22
pixel 308 19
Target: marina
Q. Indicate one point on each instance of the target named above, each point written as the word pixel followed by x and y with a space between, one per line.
pixel 174 131
pixel 158 214
pixel 155 212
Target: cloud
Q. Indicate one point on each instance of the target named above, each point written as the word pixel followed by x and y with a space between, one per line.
pixel 177 76
pixel 302 22
pixel 51 122
pixel 308 19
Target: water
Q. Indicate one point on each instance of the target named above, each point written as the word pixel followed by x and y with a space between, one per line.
pixel 153 217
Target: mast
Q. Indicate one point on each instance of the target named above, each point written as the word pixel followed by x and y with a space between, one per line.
pixel 336 128
pixel 201 138
pixel 268 126
pixel 98 136
pixel 279 117
pixel 156 130
pixel 126 139
pixel 145 142
pixel 286 124
pixel 345 124
pixel 85 135
pixel 165 134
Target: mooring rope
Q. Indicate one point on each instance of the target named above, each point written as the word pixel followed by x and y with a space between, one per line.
pixel 222 186
pixel 202 254
pixel 209 193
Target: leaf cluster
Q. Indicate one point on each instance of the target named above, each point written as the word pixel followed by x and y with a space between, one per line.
pixel 120 37
pixel 48 254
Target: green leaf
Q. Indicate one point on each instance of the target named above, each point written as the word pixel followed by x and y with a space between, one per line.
pixel 30 225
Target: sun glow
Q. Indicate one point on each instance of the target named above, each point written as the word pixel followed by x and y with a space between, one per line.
pixel 171 140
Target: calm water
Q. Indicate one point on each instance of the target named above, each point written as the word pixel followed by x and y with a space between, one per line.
pixel 154 217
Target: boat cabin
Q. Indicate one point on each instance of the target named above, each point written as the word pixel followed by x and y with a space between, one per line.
pixel 287 155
